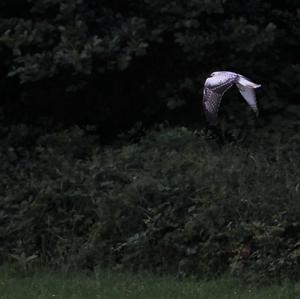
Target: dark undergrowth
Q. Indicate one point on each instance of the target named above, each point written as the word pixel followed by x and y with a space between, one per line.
pixel 176 202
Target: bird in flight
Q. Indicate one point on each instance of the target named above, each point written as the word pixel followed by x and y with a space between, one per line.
pixel 217 84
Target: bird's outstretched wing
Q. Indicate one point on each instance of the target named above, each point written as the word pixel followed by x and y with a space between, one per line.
pixel 211 103
pixel 214 89
pixel 249 95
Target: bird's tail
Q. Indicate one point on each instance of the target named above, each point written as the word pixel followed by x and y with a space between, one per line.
pixel 246 82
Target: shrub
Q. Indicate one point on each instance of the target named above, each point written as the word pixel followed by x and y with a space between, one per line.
pixel 175 202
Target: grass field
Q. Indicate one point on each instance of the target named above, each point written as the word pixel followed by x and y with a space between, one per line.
pixel 48 284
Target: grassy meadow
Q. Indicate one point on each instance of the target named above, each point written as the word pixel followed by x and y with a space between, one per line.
pixel 46 284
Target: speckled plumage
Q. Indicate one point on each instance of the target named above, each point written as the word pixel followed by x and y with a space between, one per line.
pixel 217 84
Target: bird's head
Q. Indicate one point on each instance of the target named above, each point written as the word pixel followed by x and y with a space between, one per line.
pixel 214 74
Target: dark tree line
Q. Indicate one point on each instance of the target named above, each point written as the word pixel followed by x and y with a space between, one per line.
pixel 113 63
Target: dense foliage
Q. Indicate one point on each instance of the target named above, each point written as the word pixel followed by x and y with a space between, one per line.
pixel 113 63
pixel 174 202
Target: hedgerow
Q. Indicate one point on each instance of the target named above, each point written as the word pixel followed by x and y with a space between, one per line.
pixel 174 202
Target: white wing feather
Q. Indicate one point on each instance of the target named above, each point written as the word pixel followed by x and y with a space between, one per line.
pixel 246 82
pixel 248 94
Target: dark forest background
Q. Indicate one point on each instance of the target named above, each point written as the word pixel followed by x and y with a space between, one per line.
pixel 113 64
pixel 105 154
